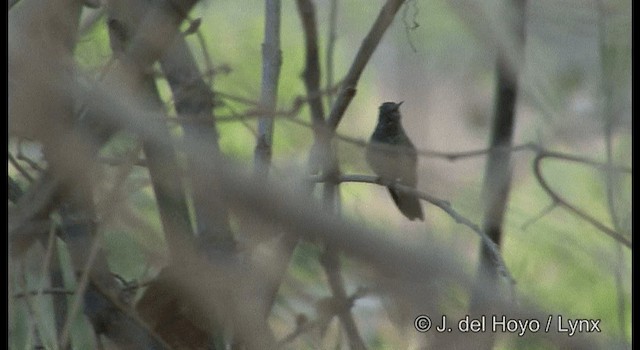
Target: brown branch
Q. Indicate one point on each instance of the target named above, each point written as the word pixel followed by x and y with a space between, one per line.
pixel 195 103
pixel 161 159
pixel 368 46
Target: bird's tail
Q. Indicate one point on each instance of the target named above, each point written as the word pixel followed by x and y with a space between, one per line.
pixel 409 205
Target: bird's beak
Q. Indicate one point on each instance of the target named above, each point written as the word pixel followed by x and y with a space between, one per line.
pixel 398 104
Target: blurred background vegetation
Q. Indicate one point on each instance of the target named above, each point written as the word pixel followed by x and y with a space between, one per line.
pixel 439 57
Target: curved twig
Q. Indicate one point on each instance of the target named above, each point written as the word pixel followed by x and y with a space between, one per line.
pixel 557 198
pixel 440 203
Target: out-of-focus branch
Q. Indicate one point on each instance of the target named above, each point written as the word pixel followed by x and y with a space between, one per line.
pixel 331 43
pixel 311 77
pixel 161 158
pixel 271 62
pixel 497 177
pixel 322 147
pixel 13 190
pixel 611 178
pixel 330 260
pixel 194 102
pixel 19 168
pixel 368 46
pixel 280 203
pixel 311 74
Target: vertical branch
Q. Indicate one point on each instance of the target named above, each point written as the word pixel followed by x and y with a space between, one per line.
pixel 271 62
pixel 311 77
pixel 497 181
pixel 311 74
pixel 60 306
pixel 161 157
pixel 331 43
pixel 327 161
pixel 331 263
pixel 320 153
pixel 195 102
pixel 606 90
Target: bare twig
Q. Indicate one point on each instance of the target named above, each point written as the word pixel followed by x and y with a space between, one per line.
pixel 322 157
pixel 304 325
pixel 330 260
pixel 368 46
pixel 80 290
pixel 539 216
pixel 607 90
pixel 311 74
pixel 33 315
pixel 442 204
pixel 311 77
pixel 556 197
pixel 271 62
pixel 331 43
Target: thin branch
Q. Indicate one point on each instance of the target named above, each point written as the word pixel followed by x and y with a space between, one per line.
pixel 539 216
pixel 368 46
pixel 440 203
pixel 322 157
pixel 82 287
pixel 606 89
pixel 311 77
pixel 331 43
pixel 44 291
pixel 311 74
pixel 304 325
pixel 33 315
pixel 556 197
pixel 330 260
pixel 271 62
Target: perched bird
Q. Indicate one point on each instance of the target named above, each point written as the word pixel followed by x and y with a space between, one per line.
pixel 393 157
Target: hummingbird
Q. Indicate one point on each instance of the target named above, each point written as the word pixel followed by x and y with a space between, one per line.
pixel 393 157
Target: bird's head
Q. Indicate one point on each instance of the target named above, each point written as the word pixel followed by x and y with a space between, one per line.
pixel 390 111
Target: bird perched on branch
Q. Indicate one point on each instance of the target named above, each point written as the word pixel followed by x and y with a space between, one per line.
pixel 393 157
